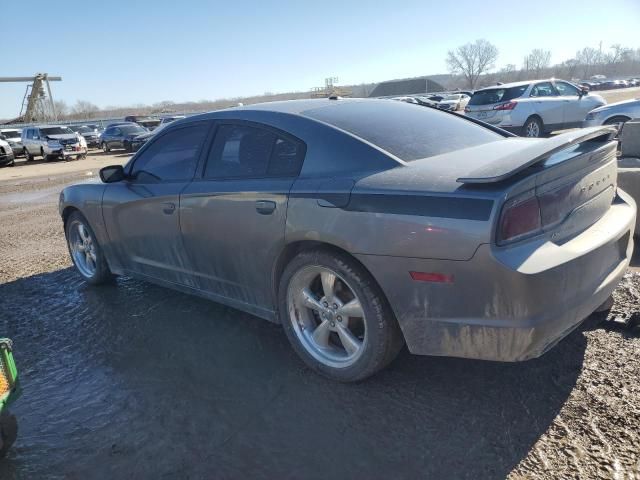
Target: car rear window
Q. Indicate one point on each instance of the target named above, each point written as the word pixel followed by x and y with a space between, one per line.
pixel 497 95
pixel 405 130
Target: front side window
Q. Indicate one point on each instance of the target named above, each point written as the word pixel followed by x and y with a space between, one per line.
pixel 172 157
pixel 544 89
pixel 566 89
pixel 243 151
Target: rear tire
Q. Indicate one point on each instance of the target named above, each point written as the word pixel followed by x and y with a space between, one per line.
pixel 533 128
pixel 28 155
pixel 349 333
pixel 85 251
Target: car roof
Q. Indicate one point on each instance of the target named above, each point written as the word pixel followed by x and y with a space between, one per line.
pixel 517 84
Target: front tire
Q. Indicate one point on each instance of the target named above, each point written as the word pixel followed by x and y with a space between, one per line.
pixel 533 128
pixel 616 120
pixel 28 155
pixel 105 147
pixel 86 253
pixel 336 316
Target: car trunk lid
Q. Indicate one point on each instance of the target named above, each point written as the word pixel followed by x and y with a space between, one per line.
pixel 560 187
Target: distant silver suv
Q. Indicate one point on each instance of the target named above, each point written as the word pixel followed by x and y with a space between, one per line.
pixel 533 107
pixel 51 142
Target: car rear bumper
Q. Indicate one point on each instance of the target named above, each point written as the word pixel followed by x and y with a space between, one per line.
pixel 508 304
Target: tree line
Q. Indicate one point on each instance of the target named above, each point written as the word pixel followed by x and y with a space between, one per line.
pixel 473 64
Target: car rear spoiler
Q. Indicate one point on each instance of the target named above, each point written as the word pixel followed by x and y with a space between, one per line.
pixel 507 166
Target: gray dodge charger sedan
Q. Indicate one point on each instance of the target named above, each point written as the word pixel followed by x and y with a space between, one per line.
pixel 362 225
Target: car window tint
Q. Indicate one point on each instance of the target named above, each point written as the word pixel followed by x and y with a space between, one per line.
pixel 172 157
pixel 497 95
pixel 544 89
pixel 240 151
pixel 566 89
pixel 286 158
pixel 407 131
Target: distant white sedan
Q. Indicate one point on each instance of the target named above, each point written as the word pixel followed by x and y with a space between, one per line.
pixel 454 102
pixel 614 113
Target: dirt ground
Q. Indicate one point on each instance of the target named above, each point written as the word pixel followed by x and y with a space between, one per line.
pixel 134 381
pixel 612 96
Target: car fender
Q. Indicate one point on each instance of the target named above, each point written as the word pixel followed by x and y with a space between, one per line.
pixel 87 199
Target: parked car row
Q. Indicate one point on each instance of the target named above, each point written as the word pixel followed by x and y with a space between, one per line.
pixel 533 108
pixel 610 84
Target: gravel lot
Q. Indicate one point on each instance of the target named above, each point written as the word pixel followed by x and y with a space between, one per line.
pixel 135 381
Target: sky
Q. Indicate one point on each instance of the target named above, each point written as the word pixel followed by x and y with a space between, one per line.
pixel 133 51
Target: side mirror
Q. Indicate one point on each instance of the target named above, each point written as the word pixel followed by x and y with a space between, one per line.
pixel 112 173
pixel 584 90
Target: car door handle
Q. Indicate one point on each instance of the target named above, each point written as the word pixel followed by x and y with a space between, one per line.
pixel 265 207
pixel 168 207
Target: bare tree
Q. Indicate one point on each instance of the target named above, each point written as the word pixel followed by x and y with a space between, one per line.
pixel 507 73
pixel 84 109
pixel 62 109
pixel 537 61
pixel 472 60
pixel 588 57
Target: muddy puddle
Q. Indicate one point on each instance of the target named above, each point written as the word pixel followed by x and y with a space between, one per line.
pixel 135 381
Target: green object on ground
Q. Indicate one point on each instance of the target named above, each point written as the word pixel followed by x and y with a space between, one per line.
pixel 8 374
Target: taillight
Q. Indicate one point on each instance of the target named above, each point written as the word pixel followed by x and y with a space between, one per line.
pixel 506 106
pixel 520 218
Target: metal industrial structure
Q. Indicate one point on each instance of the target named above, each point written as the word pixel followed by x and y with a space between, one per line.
pixel 330 88
pixel 37 103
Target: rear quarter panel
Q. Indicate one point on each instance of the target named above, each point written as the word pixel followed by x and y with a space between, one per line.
pixel 398 224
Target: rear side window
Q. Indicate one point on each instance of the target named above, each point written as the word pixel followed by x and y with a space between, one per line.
pixel 407 131
pixel 244 151
pixel 497 95
pixel 544 89
pixel 172 157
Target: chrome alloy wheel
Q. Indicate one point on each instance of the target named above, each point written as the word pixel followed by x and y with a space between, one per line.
pixel 83 249
pixel 326 316
pixel 532 129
